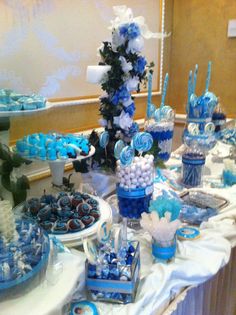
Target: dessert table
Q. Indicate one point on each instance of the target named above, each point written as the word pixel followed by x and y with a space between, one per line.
pixel 201 279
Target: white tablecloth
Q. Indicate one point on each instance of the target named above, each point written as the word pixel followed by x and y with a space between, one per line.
pixel 50 297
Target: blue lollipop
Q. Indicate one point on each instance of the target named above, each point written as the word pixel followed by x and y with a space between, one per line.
pixel 119 146
pixel 104 139
pixel 142 142
pixel 127 155
pixel 157 114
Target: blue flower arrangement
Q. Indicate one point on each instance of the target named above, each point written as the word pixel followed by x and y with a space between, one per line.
pixel 166 202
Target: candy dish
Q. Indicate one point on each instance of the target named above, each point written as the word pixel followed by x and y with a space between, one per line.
pixel 23 261
pixel 68 224
pixel 57 165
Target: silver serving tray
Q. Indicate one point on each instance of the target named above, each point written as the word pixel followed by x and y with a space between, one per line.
pixel 215 201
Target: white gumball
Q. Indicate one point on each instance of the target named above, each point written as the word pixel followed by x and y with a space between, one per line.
pixel 132 175
pixel 136 159
pixel 143 185
pixel 134 181
pixel 138 173
pixel 122 180
pixel 133 186
pixel 132 168
pixel 140 180
pixel 126 187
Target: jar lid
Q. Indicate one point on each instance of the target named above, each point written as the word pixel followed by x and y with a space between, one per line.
pixel 188 233
pixel 83 307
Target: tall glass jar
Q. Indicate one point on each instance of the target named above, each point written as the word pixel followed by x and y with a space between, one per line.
pixel 162 132
pixel 193 161
pixel 135 188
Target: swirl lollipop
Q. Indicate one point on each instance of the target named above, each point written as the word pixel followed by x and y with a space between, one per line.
pixel 193 129
pixel 142 142
pixel 126 155
pixel 119 146
pixel 209 128
pixel 104 139
pixel 157 114
pixel 167 112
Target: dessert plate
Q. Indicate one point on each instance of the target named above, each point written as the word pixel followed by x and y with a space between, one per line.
pixel 76 238
pixel 25 112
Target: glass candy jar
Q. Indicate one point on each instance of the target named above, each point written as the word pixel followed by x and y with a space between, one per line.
pixel 200 134
pixel 135 187
pixel 164 251
pixel 193 161
pixel 162 132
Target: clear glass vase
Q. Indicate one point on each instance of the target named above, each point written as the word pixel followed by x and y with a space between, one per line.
pixel 164 251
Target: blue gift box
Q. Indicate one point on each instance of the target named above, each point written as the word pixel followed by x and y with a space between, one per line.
pixel 123 285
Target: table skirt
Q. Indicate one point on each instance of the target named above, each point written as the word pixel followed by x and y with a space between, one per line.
pixel 216 296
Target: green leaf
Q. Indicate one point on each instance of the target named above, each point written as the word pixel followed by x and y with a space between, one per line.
pixel 19 196
pixel 18 160
pixel 22 183
pixel 6 182
pixel 5 153
pixel 6 168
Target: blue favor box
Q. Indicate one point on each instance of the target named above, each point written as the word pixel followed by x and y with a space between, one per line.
pixel 117 285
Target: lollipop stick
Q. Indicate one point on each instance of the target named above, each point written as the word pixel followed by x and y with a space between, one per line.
pixel 149 95
pixel 208 76
pixel 195 78
pixel 164 90
pixel 124 238
pixel 189 89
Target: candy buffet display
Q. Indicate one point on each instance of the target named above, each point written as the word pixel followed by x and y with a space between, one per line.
pixel 64 213
pixel 193 162
pixel 53 146
pixel 11 101
pixel 135 176
pixel 23 257
pixel 160 122
pixel 200 128
pixel 121 71
pixel 112 268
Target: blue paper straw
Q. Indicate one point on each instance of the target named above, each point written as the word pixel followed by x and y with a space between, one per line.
pixel 208 76
pixel 164 90
pixel 189 89
pixel 195 78
pixel 149 101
